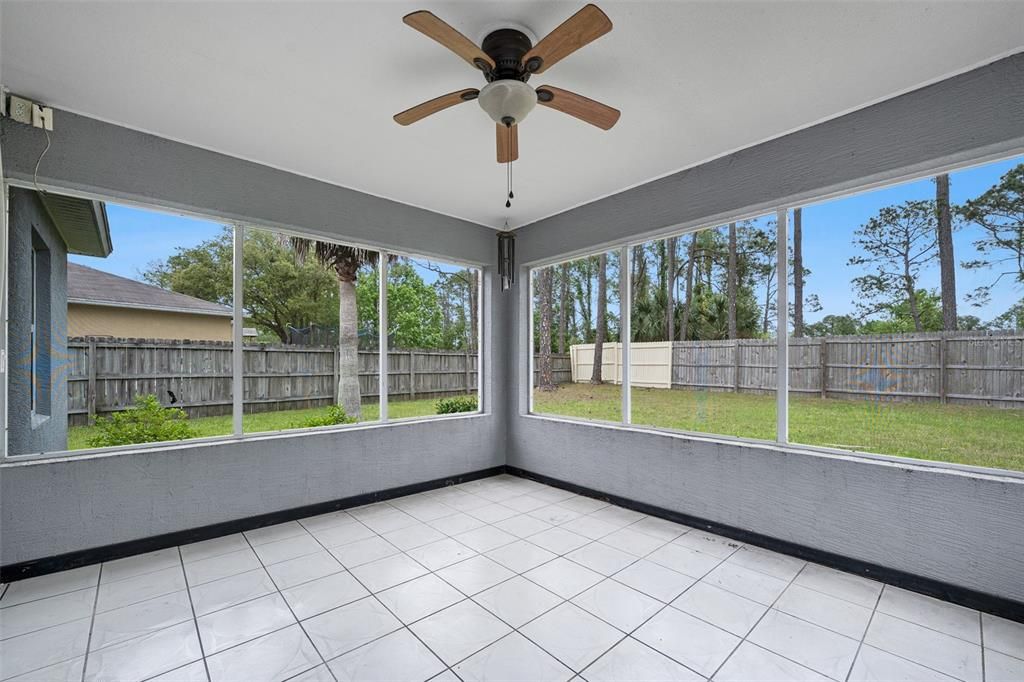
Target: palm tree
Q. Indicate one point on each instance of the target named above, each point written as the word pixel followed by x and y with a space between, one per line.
pixel 345 262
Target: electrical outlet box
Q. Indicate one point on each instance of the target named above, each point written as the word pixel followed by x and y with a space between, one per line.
pixel 21 110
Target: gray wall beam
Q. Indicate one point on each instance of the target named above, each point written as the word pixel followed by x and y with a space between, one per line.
pixel 103 159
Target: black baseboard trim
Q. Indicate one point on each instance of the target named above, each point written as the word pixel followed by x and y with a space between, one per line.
pixel 982 601
pixel 95 555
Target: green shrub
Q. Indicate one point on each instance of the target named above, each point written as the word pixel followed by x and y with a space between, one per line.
pixel 147 422
pixel 460 403
pixel 335 415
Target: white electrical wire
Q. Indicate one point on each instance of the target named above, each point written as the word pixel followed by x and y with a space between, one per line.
pixel 35 173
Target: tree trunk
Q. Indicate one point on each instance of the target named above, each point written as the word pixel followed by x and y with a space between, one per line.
pixel 670 290
pixel 684 323
pixel 798 274
pixel 348 347
pixel 474 309
pixel 602 311
pixel 545 381
pixel 947 263
pixel 563 307
pixel 732 280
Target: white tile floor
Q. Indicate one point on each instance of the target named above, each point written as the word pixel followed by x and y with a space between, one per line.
pixel 499 579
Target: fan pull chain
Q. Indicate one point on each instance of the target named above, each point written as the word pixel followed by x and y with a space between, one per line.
pixel 508 183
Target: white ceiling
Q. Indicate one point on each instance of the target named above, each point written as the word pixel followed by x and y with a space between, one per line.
pixel 311 87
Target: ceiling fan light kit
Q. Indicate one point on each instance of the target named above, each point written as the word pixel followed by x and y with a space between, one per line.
pixel 507 101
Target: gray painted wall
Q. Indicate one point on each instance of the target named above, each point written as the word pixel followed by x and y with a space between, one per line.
pixel 946 525
pixel 117 163
pixel 62 506
pixel 49 432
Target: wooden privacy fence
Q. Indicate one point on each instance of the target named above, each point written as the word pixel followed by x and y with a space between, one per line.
pixel 561 368
pixel 958 367
pixel 105 375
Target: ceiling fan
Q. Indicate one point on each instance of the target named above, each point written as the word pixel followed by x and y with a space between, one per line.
pixel 507 59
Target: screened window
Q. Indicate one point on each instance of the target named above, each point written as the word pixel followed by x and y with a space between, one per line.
pixel 900 310
pixel 577 354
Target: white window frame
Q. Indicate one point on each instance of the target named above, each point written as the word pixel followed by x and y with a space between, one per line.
pixel 237 342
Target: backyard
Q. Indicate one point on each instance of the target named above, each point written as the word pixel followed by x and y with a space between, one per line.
pixel 981 436
pixel 78 436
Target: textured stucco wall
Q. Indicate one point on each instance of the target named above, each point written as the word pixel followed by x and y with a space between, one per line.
pixel 25 435
pixel 62 506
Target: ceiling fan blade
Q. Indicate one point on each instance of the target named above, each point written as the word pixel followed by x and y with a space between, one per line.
pixel 583 108
pixel 508 142
pixel 435 105
pixel 584 27
pixel 432 27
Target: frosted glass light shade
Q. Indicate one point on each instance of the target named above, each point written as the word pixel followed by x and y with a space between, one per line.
pixel 507 99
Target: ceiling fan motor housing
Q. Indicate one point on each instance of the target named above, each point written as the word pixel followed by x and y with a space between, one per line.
pixel 506 47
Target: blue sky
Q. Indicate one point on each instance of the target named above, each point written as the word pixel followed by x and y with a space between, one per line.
pixel 828 230
pixel 143 236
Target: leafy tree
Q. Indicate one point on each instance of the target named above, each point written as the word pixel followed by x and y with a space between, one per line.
pixel 834 325
pixel 1000 214
pixel 900 318
pixel 414 313
pixel 899 242
pixel 1013 318
pixel 277 290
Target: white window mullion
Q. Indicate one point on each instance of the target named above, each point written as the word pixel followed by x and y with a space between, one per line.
pixel 237 320
pixel 782 327
pixel 625 313
pixel 382 317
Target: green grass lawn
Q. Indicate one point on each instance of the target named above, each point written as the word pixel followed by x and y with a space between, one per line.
pixel 981 436
pixel 78 436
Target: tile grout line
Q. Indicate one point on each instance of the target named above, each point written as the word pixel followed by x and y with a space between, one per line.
pixel 323 661
pixel 195 619
pixel 92 622
pixel 374 596
pixel 864 636
pixel 981 639
pixel 745 637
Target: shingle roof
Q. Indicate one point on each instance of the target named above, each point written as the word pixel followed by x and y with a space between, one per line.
pixel 94 287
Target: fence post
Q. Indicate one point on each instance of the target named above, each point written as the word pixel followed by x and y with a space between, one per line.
pixel 412 375
pixel 468 388
pixel 90 390
pixel 943 361
pixel 336 375
pixel 823 371
pixel 736 365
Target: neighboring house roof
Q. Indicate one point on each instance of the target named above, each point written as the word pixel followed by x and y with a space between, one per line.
pixel 89 286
